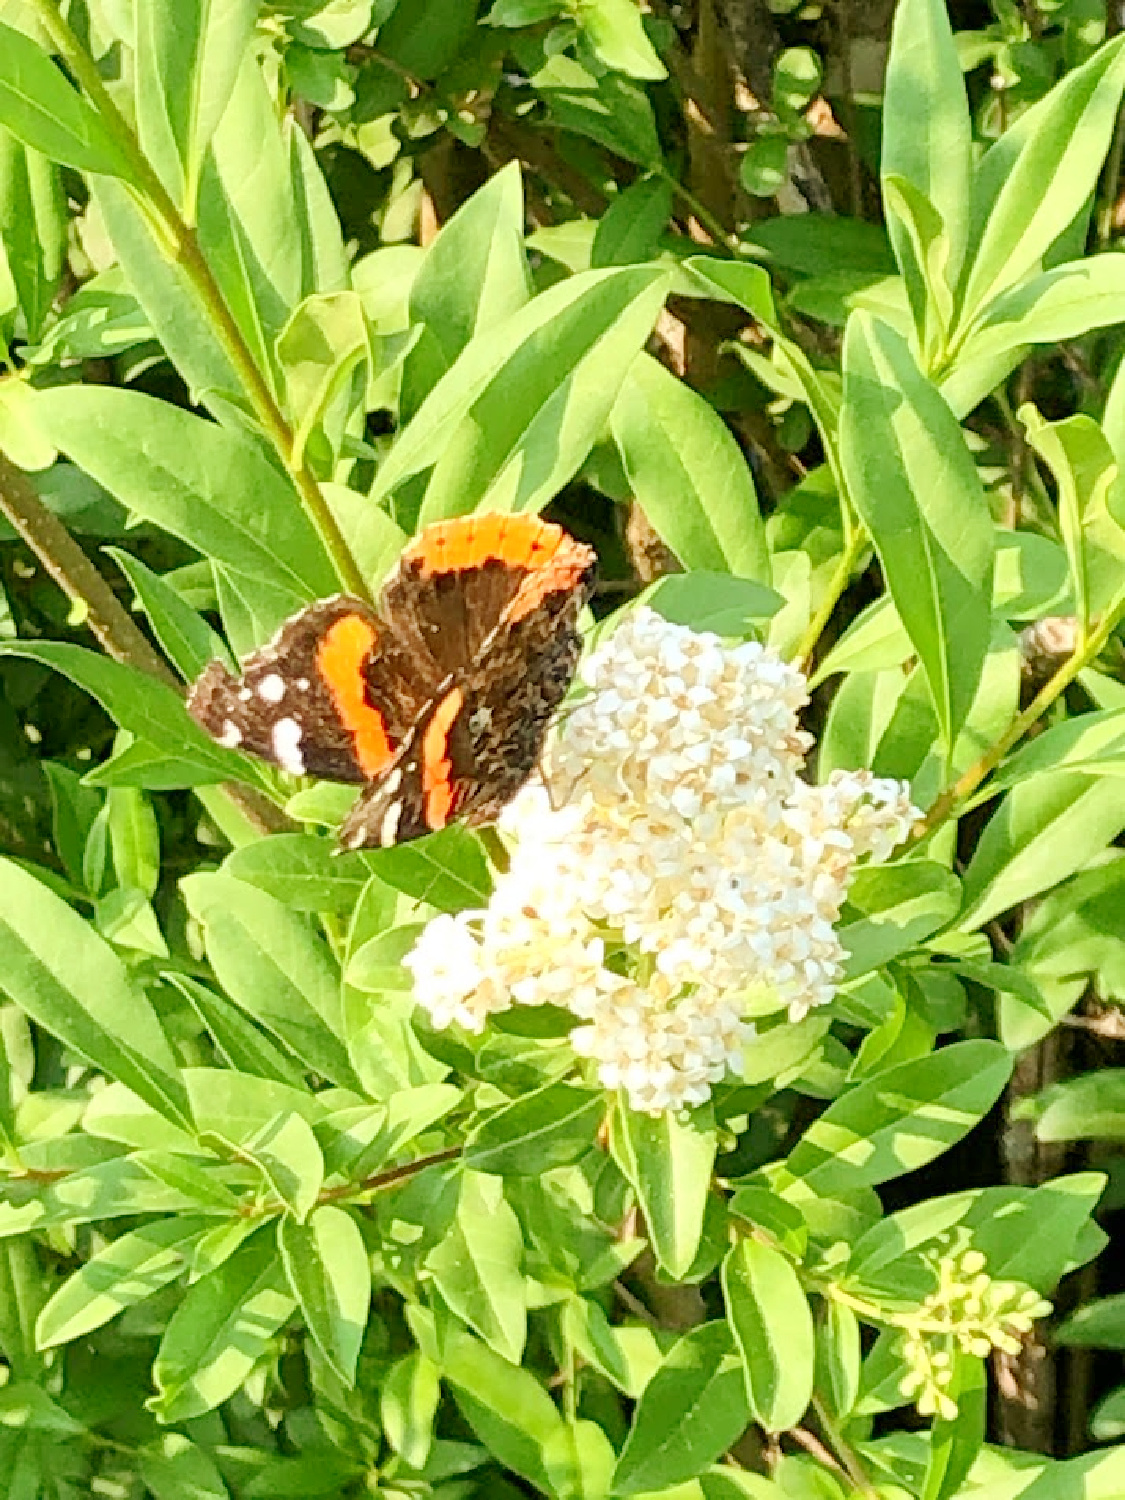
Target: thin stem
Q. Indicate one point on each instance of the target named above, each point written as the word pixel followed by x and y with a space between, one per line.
pixel 182 246
pixel 963 788
pixel 389 1177
pixel 711 222
pixel 854 548
pixel 64 561
pixel 1112 182
pixel 847 1454
pixel 812 1444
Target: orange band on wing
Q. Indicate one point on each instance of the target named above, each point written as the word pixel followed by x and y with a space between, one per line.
pixel 437 768
pixel 469 541
pixel 340 658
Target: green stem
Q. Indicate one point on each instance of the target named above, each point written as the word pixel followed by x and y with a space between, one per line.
pixel 950 802
pixel 182 246
pixel 855 545
pixel 711 222
pixel 843 1450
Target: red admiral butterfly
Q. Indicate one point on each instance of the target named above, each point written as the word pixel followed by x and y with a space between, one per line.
pixel 439 703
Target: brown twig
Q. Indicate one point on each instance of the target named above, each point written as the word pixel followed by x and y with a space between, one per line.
pixel 64 561
pixel 388 1178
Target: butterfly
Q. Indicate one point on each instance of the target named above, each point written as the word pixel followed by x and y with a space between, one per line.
pixel 437 702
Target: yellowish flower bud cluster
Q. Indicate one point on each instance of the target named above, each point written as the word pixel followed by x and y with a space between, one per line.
pixel 968 1311
pixel 673 865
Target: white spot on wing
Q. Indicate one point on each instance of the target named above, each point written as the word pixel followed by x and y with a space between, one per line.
pixel 302 684
pixel 231 736
pixel 245 694
pixel 388 829
pixel 271 689
pixel 392 782
pixel 286 740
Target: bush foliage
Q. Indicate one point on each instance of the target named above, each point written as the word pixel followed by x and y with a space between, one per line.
pixel 823 360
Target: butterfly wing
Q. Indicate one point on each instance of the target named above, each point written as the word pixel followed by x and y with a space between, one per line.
pixel 330 696
pixel 507 590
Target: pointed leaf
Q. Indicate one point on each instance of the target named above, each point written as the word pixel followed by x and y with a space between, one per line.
pixel 916 487
pixel 326 1264
pixel 669 1162
pixel 772 1325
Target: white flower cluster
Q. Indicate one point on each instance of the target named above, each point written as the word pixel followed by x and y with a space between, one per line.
pixel 687 869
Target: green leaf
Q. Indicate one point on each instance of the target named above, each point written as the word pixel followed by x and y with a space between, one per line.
pixel 1084 468
pixel 303 872
pixel 1098 1325
pixel 33 228
pixel 797 75
pixel 506 1407
pixel 475 275
pixel 629 231
pixel 122 1274
pixel 1091 742
pixel 212 488
pixel 927 259
pixel 119 1188
pixel 772 1325
pixel 1060 304
pixel 955 1442
pixel 185 637
pixel 273 965
pixel 326 1265
pixel 239 1042
pixel 522 406
pixel 1043 831
pixel 927 139
pixel 609 109
pixel 286 1152
pixel 552 1127
pixel 916 487
pixel 408 1402
pixel 616 35
pixel 1091 1107
pixel 476 1267
pixel 901 1119
pixel 70 982
pixel 668 1161
pixel 142 705
pixel 219 1332
pixel 750 287
pixel 186 59
pixel 1039 176
pixel 839 1356
pixel 167 300
pixel 447 869
pixel 319 351
pixel 688 474
pixel 900 906
pixel 712 601
pixel 690 1412
pixel 248 227
pixel 174 1468
pixel 765 165
pixel 626 1356
pixel 40 108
